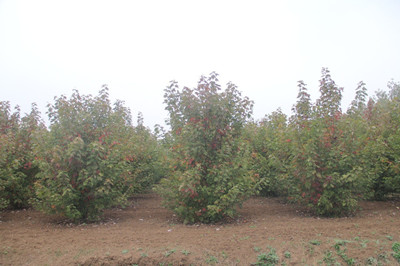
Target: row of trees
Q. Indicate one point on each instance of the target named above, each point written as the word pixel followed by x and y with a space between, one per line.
pixel 210 161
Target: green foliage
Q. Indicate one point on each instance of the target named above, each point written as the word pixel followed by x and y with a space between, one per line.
pixel 17 170
pixel 210 173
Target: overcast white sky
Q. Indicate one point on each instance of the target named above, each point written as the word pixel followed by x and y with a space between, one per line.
pixel 48 48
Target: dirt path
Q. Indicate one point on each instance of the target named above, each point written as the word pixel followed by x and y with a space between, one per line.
pixel 147 234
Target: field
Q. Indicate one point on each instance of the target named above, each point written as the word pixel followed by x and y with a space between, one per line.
pixel 145 233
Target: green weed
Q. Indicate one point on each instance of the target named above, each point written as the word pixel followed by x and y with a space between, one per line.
pixel 329 259
pixel 244 238
pixel 267 259
pixel 212 260
pixel 169 252
pixel 315 242
pixel 396 251
pixel 257 249
pixel 185 252
pixel 342 252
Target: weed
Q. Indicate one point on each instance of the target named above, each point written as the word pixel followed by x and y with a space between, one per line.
pixel 124 251
pixel 340 242
pixel 271 238
pixel 287 254
pixel 5 250
pixel 211 260
pixel 389 237
pixel 267 259
pixel 185 252
pixel 383 257
pixel 143 255
pixel 396 251
pixel 257 249
pixel 364 243
pixel 342 253
pixel 168 253
pixel 311 250
pixel 224 255
pixel 244 238
pixel 253 226
pixel 371 261
pixel 315 242
pixel 329 259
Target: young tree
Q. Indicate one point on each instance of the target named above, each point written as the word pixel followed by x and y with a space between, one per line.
pixel 209 157
pixel 323 162
pixel 82 167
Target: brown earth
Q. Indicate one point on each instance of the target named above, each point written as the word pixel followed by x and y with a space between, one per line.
pixel 147 234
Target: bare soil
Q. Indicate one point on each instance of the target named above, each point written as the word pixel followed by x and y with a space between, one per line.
pixel 147 234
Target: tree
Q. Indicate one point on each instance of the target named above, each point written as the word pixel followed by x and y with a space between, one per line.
pixel 17 168
pixel 380 155
pixel 83 170
pixel 209 158
pixel 323 162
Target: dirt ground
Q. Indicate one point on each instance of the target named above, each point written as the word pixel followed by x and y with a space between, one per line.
pixel 147 234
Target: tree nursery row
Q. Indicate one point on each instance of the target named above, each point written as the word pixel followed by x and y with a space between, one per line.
pixel 211 159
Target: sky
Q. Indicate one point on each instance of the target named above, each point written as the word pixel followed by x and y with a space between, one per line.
pixel 50 47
